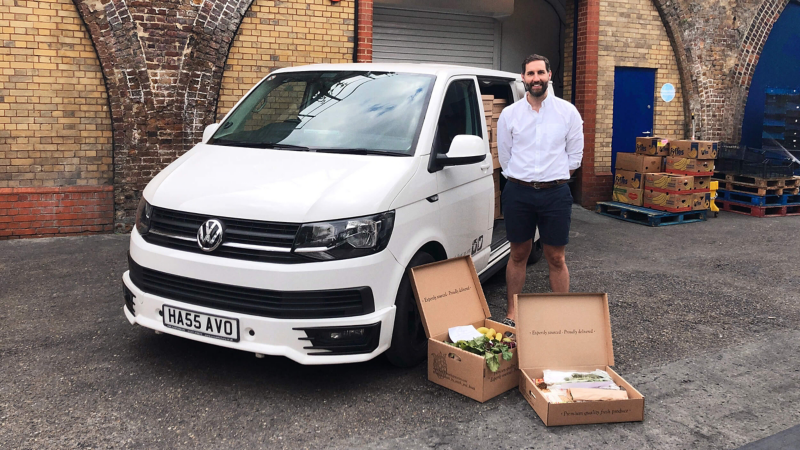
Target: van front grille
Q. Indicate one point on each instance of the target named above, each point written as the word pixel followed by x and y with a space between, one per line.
pixel 250 240
pixel 324 304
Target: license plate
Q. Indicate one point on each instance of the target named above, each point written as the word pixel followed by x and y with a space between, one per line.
pixel 201 324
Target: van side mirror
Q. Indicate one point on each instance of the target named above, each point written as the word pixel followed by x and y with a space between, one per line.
pixel 465 149
pixel 209 131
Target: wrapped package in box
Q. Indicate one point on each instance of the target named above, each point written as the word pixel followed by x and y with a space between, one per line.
pixel 569 332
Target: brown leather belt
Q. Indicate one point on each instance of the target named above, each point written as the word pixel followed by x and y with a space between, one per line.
pixel 539 185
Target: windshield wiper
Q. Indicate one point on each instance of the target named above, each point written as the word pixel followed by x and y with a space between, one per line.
pixel 360 151
pixel 260 145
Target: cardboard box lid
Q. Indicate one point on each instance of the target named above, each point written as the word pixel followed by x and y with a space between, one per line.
pixel 559 331
pixel 449 294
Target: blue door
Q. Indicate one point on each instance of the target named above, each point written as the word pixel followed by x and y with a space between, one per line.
pixel 634 91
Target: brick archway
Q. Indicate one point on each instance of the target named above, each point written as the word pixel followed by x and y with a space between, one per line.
pixel 717 48
pixel 752 45
pixel 163 67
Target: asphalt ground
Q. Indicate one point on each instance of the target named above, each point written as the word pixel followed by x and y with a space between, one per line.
pixel 704 319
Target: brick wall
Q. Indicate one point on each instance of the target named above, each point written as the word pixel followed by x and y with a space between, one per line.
pixel 364 50
pixel 632 35
pixel 54 211
pixel 55 123
pixel 277 34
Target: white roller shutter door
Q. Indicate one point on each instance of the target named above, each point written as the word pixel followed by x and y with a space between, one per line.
pixel 419 36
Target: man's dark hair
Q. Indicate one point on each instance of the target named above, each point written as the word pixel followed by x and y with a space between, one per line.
pixel 535 57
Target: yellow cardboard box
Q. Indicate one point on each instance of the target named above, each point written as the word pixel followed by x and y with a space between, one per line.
pixel 627 178
pixel 638 163
pixel 627 195
pixel 569 332
pixel 701 201
pixel 688 165
pixel 449 294
pixel 668 182
pixel 653 146
pixel 693 149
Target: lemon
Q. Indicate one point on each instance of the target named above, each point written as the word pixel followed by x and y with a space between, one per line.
pixel 483 330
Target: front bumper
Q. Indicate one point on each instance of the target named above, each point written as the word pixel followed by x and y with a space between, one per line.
pixel 271 336
pixel 277 337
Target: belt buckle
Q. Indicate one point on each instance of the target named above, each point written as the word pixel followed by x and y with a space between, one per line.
pixel 537 185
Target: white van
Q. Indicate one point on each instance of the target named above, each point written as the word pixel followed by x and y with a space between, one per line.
pixel 289 230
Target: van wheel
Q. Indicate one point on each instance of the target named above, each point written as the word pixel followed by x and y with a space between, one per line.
pixel 409 343
pixel 536 252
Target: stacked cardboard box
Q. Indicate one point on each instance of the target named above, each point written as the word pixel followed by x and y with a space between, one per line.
pixel 686 184
pixel 668 176
pixel 492 107
pixel 631 169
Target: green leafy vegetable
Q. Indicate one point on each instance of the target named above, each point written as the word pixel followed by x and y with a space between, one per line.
pixel 491 350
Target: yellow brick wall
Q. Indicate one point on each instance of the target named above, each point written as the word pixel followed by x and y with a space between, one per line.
pixel 632 35
pixel 55 125
pixel 277 34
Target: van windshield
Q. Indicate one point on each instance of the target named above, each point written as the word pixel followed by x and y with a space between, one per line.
pixel 331 111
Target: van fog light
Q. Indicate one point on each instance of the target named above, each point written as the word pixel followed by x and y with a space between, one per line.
pixel 129 299
pixel 342 340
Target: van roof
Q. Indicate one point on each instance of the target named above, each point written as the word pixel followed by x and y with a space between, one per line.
pixel 445 70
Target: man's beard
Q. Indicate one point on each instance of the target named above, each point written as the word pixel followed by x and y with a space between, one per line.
pixel 529 88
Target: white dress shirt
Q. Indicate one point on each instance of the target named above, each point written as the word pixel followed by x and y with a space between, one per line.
pixel 540 146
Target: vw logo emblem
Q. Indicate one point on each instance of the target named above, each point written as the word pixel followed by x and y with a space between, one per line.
pixel 209 236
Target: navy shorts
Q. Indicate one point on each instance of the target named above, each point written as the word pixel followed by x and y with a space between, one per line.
pixel 525 208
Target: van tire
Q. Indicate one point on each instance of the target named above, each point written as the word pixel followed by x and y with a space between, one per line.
pixel 536 252
pixel 409 342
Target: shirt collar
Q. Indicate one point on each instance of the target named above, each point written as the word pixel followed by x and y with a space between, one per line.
pixel 545 102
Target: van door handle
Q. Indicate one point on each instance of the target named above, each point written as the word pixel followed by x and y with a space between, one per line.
pixel 485 167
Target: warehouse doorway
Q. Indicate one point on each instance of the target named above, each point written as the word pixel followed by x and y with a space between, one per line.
pixel 634 92
pixel 404 35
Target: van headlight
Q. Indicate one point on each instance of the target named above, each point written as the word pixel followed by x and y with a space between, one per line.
pixel 342 239
pixel 144 212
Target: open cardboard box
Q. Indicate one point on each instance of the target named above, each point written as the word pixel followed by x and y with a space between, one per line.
pixel 569 332
pixel 449 294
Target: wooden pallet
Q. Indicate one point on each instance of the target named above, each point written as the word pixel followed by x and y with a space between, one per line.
pixel 751 210
pixel 757 182
pixel 647 216
pixel 792 182
pixel 746 188
pixel 791 191
pixel 791 199
pixel 750 199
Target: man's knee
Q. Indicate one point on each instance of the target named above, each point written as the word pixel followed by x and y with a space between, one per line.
pixel 555 257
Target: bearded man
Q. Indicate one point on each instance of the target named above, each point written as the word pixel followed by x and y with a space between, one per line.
pixel 540 145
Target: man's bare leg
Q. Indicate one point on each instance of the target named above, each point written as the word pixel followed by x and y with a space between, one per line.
pixel 557 265
pixel 515 272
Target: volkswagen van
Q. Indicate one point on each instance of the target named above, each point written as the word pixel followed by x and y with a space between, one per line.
pixel 289 230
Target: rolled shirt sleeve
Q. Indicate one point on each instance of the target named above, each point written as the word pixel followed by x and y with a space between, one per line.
pixel 504 141
pixel 574 147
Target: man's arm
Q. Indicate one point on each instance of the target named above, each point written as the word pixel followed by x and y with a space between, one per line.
pixel 503 141
pixel 575 142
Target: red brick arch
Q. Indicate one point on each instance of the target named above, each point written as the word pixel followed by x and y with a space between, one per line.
pixel 163 67
pixel 705 36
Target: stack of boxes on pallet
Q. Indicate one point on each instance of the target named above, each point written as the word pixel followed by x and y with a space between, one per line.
pixel 666 176
pixel 492 108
